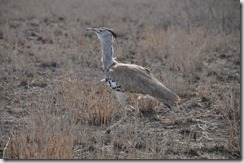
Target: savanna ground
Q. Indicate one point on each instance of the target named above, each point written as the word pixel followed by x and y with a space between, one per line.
pixel 53 105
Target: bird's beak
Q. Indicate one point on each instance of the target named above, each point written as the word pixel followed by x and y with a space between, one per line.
pixel 103 80
pixel 92 29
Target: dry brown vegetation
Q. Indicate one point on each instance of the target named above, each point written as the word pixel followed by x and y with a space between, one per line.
pixel 53 105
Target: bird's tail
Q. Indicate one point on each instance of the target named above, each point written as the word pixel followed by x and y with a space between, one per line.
pixel 171 103
pixel 175 108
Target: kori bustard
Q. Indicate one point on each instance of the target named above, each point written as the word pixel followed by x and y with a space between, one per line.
pixel 130 80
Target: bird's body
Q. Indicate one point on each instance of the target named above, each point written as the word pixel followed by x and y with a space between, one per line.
pixel 130 79
pixel 134 79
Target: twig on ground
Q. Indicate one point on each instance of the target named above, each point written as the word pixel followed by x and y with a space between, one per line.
pixel 5 148
pixel 204 133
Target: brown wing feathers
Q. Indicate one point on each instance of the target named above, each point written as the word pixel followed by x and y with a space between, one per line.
pixel 136 79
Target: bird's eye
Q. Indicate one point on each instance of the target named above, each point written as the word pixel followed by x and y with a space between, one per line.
pixel 100 30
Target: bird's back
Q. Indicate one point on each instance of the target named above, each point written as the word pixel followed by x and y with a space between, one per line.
pixel 136 79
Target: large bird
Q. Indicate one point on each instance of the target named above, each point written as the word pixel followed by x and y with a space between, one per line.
pixel 130 80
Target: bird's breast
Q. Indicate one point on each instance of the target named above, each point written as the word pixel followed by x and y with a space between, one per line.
pixel 112 84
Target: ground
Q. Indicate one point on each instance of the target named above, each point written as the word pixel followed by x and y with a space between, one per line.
pixel 53 105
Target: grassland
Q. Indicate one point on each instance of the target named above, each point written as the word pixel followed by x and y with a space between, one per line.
pixel 53 105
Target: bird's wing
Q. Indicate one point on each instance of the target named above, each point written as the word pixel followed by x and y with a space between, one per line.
pixel 136 79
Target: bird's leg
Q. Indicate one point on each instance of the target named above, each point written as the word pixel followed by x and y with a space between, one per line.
pixel 137 111
pixel 116 124
pixel 137 108
pixel 136 115
pixel 122 98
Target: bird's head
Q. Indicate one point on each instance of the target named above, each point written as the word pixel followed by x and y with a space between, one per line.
pixel 103 33
pixel 105 36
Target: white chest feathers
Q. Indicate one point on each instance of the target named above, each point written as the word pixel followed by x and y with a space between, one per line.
pixel 112 84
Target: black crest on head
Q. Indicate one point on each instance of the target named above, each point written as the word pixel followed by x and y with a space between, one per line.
pixel 112 33
pixel 110 30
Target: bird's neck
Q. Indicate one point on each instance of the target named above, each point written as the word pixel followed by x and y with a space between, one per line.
pixel 107 55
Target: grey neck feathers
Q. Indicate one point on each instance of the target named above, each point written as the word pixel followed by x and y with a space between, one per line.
pixel 107 54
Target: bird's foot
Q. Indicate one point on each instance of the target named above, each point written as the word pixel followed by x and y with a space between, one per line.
pixel 116 124
pixel 138 115
pixel 130 108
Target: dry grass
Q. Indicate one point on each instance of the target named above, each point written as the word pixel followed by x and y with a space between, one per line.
pixel 53 105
